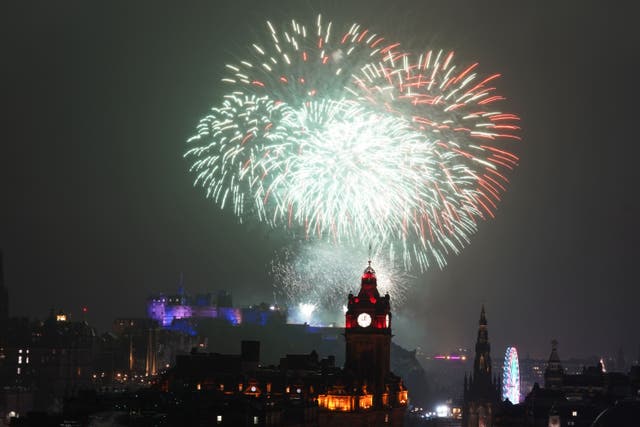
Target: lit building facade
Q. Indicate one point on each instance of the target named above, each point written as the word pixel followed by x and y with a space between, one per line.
pixel 52 359
pixel 238 391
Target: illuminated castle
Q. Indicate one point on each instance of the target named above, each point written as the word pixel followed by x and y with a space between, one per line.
pixel 368 390
pixel 166 309
pixel 176 311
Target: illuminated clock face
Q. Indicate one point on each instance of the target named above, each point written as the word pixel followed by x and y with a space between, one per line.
pixel 364 320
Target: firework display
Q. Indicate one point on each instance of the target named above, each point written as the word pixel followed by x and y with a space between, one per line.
pixel 339 135
pixel 511 376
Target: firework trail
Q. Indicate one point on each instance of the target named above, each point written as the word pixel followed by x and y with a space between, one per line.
pixel 339 135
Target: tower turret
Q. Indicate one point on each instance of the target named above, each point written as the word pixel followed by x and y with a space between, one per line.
pixel 368 308
pixel 553 374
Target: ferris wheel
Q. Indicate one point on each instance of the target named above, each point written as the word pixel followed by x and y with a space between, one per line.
pixel 511 376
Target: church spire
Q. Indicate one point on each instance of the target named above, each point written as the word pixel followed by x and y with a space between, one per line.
pixel 482 364
pixel 482 388
pixel 483 332
pixel 483 317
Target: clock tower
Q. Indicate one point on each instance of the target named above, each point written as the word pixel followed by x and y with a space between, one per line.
pixel 368 336
pixel 365 392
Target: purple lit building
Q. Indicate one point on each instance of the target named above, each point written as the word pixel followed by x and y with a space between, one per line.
pixel 173 311
pixel 165 309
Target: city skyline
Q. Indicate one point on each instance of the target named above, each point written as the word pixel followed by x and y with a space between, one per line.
pixel 99 209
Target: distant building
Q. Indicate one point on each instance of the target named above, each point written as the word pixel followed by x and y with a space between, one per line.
pixel 4 309
pixel 139 337
pixel 531 372
pixel 481 389
pixel 51 360
pixel 137 348
pixel 241 392
pixel 553 373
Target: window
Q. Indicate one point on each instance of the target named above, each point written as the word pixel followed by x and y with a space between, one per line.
pixel 219 419
pixel 255 421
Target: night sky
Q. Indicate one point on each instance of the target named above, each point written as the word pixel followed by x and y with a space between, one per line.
pixel 97 207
